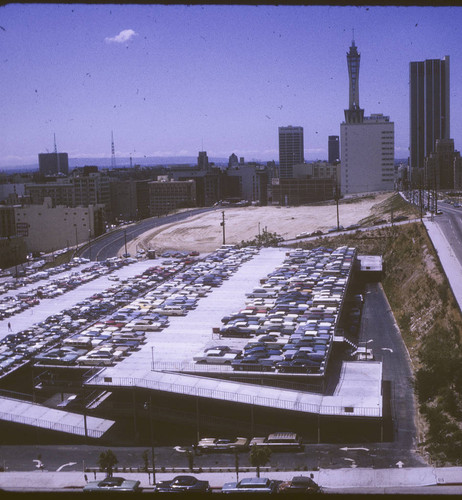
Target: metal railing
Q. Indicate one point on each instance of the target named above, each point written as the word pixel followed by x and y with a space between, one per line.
pixel 237 397
pixel 53 426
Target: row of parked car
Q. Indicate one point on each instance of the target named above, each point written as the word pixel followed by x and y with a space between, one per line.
pixel 190 484
pixel 32 275
pixel 108 340
pixel 291 317
pixel 48 342
pixel 172 289
pixel 15 304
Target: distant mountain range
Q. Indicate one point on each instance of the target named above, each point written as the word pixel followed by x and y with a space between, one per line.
pixel 146 161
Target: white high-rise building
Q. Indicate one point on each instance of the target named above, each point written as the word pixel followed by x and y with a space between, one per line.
pixel 367 142
pixel 367 157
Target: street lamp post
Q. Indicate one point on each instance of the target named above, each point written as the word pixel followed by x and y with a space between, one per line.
pixel 125 240
pixel 222 223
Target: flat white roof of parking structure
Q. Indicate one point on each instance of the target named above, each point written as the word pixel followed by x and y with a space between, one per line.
pixel 26 413
pixel 172 349
pixel 360 385
pixel 188 335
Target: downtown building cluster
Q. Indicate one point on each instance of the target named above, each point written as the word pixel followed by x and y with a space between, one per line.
pixel 56 208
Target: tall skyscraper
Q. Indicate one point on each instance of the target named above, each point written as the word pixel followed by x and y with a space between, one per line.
pixel 429 107
pixel 334 149
pixel 367 151
pixel 290 150
pixel 203 160
pixel 354 114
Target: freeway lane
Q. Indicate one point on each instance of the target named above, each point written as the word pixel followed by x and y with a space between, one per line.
pixel 450 223
pixel 378 327
pixel 109 244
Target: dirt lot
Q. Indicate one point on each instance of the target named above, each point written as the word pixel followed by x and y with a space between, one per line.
pixel 204 233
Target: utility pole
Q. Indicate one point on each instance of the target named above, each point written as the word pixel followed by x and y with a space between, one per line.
pixel 152 442
pixel 336 198
pixel 222 224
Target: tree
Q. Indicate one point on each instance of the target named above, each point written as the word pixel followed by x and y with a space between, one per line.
pixel 146 460
pixel 106 461
pixel 259 455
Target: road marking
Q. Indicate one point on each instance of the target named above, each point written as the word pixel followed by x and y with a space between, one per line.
pixel 179 449
pixel 38 464
pixel 387 349
pixel 353 449
pixel 353 463
pixel 59 469
pixel 399 464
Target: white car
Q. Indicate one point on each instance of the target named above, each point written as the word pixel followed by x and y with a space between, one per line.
pixel 222 444
pixel 218 355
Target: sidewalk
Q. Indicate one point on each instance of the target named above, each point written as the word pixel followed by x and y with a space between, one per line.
pixel 330 479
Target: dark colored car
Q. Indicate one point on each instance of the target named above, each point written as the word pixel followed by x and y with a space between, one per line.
pixel 183 484
pixel 300 484
pixel 252 364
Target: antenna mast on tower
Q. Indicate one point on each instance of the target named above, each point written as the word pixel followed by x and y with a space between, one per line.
pixel 56 153
pixel 113 160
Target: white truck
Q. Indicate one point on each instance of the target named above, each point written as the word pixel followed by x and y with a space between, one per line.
pixel 279 441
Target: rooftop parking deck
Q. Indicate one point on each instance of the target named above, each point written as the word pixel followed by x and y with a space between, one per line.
pixel 164 359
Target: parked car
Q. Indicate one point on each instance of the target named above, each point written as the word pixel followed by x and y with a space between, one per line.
pixel 222 444
pixel 219 355
pixel 112 484
pixel 300 484
pixel 183 484
pixel 252 485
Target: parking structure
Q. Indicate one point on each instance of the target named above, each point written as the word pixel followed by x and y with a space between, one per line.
pixel 282 336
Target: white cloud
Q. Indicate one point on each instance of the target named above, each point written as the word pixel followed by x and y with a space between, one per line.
pixel 122 37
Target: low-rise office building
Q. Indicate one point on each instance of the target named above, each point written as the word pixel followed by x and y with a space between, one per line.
pixel 166 195
pixel 311 182
pixel 46 227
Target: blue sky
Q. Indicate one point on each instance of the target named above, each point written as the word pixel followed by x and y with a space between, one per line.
pixel 169 80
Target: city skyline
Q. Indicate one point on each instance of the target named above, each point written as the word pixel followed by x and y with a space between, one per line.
pixel 174 80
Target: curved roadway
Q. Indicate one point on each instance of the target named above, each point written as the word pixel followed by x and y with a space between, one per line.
pixel 109 244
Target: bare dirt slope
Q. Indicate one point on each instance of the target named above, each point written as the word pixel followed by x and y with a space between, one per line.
pixel 204 233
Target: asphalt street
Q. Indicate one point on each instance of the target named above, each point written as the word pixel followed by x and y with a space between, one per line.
pixel 379 330
pixel 110 243
pixel 450 222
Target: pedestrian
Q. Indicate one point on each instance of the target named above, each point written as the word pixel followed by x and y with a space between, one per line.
pixel 86 478
pixel 9 326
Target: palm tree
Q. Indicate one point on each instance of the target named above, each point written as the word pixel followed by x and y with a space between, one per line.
pixel 106 461
pixel 259 455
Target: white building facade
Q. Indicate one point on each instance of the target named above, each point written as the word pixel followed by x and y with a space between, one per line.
pixel 46 228
pixel 367 155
